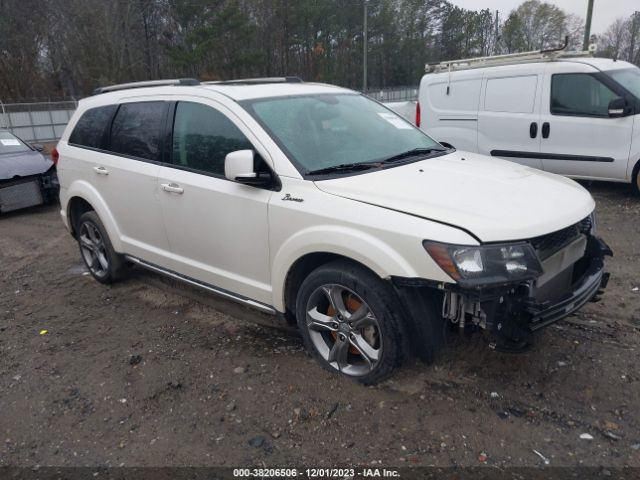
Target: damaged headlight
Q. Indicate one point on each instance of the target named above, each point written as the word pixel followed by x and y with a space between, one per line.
pixel 486 264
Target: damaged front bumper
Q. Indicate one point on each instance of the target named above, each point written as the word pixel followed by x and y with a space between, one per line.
pixel 591 283
pixel 24 192
pixel 510 313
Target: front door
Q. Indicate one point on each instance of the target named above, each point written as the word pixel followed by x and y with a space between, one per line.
pixel 579 139
pixel 217 229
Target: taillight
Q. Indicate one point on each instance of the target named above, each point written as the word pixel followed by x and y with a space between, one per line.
pixel 417 114
pixel 55 156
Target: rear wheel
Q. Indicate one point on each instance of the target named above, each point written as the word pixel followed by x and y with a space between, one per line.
pixel 636 179
pixel 350 322
pixel 102 261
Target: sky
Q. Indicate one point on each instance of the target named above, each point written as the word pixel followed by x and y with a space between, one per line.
pixel 604 11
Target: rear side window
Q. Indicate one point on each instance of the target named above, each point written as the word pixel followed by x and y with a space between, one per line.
pixel 202 138
pixel 137 130
pixel 580 94
pixel 511 94
pixel 92 126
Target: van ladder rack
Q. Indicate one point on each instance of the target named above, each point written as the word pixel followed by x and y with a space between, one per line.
pixel 148 83
pixel 508 59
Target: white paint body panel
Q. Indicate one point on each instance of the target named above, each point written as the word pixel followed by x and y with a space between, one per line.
pixel 473 123
pixel 245 240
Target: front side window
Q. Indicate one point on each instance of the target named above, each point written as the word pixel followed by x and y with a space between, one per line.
pixel 326 130
pixel 202 138
pixel 92 126
pixel 9 143
pixel 580 94
pixel 137 130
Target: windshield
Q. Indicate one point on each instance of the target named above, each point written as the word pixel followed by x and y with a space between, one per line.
pixel 629 78
pixel 323 131
pixel 11 144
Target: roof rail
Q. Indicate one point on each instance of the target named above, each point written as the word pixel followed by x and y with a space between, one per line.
pixel 257 81
pixel 508 59
pixel 148 83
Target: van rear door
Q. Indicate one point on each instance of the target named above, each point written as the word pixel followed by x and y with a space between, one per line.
pixel 579 138
pixel 508 117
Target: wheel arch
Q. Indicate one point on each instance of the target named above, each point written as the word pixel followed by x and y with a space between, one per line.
pixel 300 269
pixel 303 252
pixel 83 197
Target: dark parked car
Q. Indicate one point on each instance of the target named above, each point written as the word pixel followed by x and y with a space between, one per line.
pixel 27 177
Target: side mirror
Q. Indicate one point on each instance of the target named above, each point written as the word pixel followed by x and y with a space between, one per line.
pixel 239 166
pixel 618 107
pixel 38 147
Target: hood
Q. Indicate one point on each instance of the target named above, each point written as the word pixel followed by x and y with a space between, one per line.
pixel 494 199
pixel 23 164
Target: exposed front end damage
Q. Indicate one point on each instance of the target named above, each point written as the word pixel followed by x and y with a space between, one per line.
pixel 572 274
pixel 24 192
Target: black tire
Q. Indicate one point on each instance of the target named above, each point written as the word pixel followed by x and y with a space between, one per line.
pixel 355 284
pixel 96 250
pixel 635 182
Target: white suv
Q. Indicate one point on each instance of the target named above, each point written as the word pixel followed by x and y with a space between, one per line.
pixel 317 203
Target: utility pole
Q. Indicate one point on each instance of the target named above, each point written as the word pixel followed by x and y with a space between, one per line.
pixel 587 26
pixel 495 43
pixel 365 45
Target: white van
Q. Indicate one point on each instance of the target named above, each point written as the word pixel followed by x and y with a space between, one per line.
pixel 566 113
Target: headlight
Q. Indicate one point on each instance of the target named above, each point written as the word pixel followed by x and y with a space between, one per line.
pixel 487 264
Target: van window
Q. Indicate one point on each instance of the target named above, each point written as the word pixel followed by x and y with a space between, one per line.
pixel 137 130
pixel 511 94
pixel 92 126
pixel 580 94
pixel 202 138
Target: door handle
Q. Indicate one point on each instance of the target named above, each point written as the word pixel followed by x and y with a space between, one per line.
pixel 172 187
pixel 545 130
pixel 533 130
pixel 101 170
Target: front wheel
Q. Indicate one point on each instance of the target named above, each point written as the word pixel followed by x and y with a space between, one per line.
pixel 636 179
pixel 350 322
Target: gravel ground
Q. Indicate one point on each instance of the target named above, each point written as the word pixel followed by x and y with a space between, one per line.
pixel 151 373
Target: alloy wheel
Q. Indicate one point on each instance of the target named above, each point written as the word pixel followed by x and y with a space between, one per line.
pixel 93 249
pixel 343 329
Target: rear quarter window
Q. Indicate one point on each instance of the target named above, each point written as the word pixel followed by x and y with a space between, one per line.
pixel 91 129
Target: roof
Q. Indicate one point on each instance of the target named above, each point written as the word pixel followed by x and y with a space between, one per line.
pixel 603 63
pixel 235 91
pixel 251 91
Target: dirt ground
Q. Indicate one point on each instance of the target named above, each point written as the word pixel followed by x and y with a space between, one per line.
pixel 152 373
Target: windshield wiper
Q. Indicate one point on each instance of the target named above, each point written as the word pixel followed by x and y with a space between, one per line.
pixel 345 167
pixel 412 153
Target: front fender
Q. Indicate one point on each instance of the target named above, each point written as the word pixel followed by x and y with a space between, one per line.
pixel 359 246
pixel 87 192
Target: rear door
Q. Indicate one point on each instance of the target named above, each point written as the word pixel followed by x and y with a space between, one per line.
pixel 579 139
pixel 126 172
pixel 508 119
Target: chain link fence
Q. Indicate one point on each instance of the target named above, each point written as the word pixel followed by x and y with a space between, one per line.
pixel 45 121
pixel 36 122
pixel 394 94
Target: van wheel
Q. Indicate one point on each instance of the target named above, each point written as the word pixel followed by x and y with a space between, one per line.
pixel 636 179
pixel 103 262
pixel 349 320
